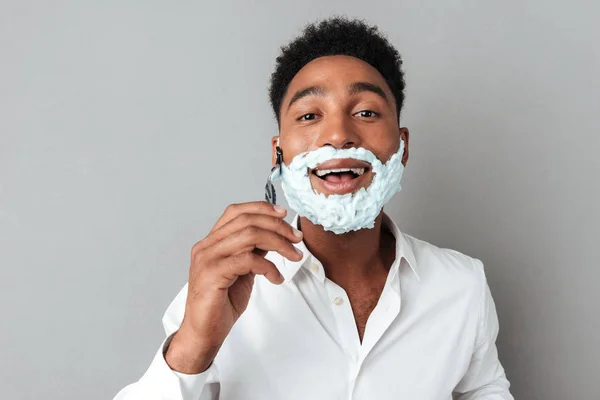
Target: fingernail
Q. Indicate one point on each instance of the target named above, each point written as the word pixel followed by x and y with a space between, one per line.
pixel 279 209
pixel 300 253
pixel 297 233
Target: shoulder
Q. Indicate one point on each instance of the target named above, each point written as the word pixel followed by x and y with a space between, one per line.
pixel 444 264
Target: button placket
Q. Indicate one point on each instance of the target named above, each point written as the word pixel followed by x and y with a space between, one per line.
pixel 314 267
pixel 353 370
pixel 344 319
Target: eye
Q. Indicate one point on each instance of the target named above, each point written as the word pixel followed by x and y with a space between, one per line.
pixel 307 117
pixel 367 114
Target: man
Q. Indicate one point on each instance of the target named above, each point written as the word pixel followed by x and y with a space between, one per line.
pixel 340 304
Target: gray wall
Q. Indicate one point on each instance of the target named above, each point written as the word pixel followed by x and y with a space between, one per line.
pixel 126 127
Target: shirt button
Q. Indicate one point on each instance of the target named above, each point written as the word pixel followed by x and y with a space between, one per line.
pixel 338 301
pixel 314 268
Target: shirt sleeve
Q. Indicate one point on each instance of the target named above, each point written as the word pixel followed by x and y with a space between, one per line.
pixel 160 382
pixel 485 378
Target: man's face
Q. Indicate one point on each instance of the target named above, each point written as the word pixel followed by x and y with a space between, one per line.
pixel 343 102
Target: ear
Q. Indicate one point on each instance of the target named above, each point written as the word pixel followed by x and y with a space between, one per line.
pixel 274 144
pixel 404 135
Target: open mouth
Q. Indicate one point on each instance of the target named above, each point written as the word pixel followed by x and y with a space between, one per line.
pixel 339 174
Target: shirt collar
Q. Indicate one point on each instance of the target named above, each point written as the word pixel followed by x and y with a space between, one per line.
pixel 403 251
pixel 291 267
pixel 404 248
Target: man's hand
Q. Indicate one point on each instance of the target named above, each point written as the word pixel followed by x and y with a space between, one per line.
pixel 222 270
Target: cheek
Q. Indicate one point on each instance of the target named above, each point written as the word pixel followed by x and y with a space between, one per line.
pixel 293 145
pixel 384 149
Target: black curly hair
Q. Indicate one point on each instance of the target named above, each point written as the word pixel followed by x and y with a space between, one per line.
pixel 337 36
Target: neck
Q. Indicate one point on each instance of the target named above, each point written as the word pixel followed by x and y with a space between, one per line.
pixel 355 256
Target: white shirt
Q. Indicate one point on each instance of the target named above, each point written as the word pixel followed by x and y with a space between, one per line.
pixel 431 337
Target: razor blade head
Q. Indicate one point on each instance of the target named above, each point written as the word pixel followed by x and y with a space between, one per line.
pixel 270 194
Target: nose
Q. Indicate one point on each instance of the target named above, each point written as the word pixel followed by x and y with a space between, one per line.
pixel 337 131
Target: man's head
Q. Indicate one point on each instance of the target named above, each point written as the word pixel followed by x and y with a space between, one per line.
pixel 339 86
pixel 337 36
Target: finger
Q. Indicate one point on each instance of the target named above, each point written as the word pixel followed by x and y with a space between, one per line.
pixel 255 207
pixel 251 237
pixel 227 270
pixel 267 222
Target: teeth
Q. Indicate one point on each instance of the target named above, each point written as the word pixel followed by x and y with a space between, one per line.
pixel 323 172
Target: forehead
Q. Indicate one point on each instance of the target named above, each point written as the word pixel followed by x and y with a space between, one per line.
pixel 336 71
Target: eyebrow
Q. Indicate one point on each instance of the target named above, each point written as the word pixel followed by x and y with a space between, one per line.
pixel 353 88
pixel 309 91
pixel 358 87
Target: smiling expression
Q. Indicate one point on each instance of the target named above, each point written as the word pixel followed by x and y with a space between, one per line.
pixel 343 102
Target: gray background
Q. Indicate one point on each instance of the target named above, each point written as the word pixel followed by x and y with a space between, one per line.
pixel 126 127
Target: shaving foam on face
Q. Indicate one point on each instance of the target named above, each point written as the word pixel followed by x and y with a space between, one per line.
pixel 346 212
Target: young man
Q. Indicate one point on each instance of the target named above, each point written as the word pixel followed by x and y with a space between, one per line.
pixel 340 304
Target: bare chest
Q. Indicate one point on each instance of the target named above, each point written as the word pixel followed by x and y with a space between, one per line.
pixel 363 303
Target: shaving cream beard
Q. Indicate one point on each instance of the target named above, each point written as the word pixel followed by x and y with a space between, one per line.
pixel 346 212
